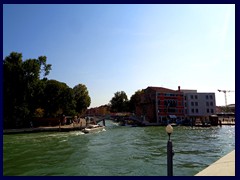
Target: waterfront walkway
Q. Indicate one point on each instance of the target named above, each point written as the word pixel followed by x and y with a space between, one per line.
pixel 225 166
pixel 62 128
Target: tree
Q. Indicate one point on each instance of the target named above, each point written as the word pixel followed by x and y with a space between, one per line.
pixel 135 100
pixel 12 89
pixel 32 84
pixel 19 86
pixel 57 99
pixel 81 97
pixel 119 103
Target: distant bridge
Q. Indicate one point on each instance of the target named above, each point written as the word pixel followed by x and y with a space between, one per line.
pixel 117 118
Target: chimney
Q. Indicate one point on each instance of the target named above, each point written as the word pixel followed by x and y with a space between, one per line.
pixel 179 88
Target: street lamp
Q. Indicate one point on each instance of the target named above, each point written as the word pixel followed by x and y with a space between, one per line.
pixel 170 152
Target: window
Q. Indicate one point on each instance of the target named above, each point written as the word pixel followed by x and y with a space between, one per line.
pixel 207 103
pixel 211 103
pixel 191 96
pixel 192 110
pixel 207 110
pixel 167 94
pixel 165 103
pixel 196 97
pixel 211 97
pixel 211 110
pixel 192 103
pixel 206 96
pixel 170 103
pixel 172 110
pixel 196 103
pixel 196 110
pixel 179 103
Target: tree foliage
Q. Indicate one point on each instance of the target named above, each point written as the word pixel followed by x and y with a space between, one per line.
pixel 119 103
pixel 57 99
pixel 81 97
pixel 26 94
pixel 135 100
pixel 20 81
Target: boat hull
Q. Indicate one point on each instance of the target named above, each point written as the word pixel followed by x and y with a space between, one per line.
pixel 92 130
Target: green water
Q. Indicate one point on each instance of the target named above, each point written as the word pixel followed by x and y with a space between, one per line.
pixel 118 151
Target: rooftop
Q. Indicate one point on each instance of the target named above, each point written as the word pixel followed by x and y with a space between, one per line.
pixel 188 90
pixel 161 89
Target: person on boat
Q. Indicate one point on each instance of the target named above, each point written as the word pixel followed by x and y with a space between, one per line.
pixel 31 124
pixel 75 120
pixel 64 120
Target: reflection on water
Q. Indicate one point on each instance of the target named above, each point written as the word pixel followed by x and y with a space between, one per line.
pixel 118 151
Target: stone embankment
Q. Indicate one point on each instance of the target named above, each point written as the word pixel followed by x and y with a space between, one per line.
pixel 63 128
pixel 225 166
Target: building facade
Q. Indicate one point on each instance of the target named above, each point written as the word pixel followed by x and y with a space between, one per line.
pixel 159 104
pixel 199 105
pixel 98 111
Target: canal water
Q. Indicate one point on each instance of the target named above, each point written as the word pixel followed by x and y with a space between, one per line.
pixel 118 151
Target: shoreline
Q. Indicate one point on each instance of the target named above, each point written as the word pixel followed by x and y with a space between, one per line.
pixel 63 128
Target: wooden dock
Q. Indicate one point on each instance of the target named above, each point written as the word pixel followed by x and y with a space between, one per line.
pixel 226 121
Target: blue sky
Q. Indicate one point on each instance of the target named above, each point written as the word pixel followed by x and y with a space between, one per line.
pixel 112 48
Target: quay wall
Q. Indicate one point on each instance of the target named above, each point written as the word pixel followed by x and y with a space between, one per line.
pixel 225 166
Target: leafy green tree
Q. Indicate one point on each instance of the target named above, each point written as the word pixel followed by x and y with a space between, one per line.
pixel 39 95
pixel 135 100
pixel 33 85
pixel 81 97
pixel 57 99
pixel 12 89
pixel 68 102
pixel 119 103
pixel 19 86
pixel 26 94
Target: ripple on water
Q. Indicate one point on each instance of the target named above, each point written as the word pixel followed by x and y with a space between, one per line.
pixel 118 151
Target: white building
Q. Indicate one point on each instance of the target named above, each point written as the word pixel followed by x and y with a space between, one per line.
pixel 199 105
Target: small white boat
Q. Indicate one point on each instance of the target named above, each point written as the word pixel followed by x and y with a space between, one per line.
pixel 93 128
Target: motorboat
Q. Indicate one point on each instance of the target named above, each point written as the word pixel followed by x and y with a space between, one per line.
pixel 93 128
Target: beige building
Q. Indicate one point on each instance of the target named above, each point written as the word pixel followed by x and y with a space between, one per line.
pixel 199 105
